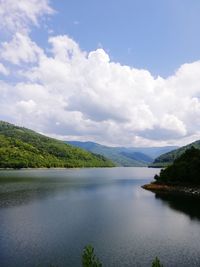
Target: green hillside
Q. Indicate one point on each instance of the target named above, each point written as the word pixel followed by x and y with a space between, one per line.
pixel 168 158
pixel 184 170
pixel 23 148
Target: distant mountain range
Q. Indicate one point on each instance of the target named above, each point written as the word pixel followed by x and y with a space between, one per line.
pixel 169 157
pixel 124 156
pixel 23 148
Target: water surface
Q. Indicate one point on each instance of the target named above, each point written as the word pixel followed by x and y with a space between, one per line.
pixel 48 216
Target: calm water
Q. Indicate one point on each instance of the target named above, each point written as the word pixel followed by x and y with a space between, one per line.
pixel 48 216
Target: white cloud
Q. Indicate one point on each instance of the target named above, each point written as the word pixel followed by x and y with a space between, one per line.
pixel 99 56
pixel 20 49
pixel 171 122
pixel 65 49
pixel 77 95
pixel 18 15
pixel 27 106
pixel 3 70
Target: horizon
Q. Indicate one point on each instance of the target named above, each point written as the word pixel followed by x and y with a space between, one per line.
pixel 119 74
pixel 88 141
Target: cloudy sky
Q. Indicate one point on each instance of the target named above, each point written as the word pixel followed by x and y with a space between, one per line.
pixel 115 72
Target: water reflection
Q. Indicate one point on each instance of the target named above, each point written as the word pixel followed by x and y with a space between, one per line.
pixel 185 204
pixel 16 198
pixel 53 214
pixel 15 191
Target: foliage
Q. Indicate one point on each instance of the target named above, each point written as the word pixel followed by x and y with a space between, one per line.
pixel 185 169
pixel 156 263
pixel 168 158
pixel 22 148
pixel 89 259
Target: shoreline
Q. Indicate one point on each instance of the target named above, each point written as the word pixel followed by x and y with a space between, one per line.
pixel 67 168
pixel 184 190
pixel 52 168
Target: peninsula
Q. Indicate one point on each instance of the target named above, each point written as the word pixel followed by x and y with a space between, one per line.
pixel 182 177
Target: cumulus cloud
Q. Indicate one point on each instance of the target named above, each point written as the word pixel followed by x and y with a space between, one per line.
pixel 72 94
pixel 21 49
pixel 19 15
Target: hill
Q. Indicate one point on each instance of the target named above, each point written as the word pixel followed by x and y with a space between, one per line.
pixel 23 148
pixel 168 158
pixel 184 170
pixel 123 156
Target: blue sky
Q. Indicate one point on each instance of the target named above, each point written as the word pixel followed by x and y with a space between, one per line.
pixel 155 35
pixel 115 72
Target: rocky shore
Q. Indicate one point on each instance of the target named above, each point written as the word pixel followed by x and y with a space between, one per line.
pixel 186 190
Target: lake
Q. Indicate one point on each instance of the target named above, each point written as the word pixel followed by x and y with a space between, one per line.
pixel 48 216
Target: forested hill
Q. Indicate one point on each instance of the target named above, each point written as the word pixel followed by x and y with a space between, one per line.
pixel 184 170
pixel 23 148
pixel 168 158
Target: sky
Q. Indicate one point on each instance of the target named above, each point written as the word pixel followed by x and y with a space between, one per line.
pixel 120 73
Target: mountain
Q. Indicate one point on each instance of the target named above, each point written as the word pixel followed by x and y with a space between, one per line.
pixel 184 170
pixel 168 158
pixel 122 156
pixel 22 148
pixel 155 152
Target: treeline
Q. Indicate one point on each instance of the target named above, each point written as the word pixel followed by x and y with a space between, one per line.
pixel 184 170
pixel 167 159
pixel 89 259
pixel 24 148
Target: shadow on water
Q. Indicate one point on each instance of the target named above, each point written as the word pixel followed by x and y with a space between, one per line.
pixel 19 191
pixel 185 204
pixel 22 197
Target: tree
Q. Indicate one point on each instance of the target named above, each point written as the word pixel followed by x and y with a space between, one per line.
pixel 156 263
pixel 89 259
pixel 184 170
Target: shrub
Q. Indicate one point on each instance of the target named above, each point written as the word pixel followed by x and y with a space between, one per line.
pixel 156 263
pixel 89 259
